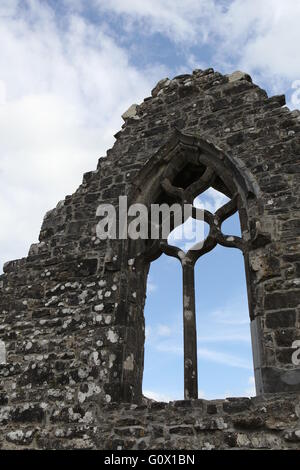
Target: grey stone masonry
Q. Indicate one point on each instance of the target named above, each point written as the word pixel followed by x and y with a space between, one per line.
pixel 71 313
pixel 270 423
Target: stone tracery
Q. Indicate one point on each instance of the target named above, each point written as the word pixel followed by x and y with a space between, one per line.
pixel 185 196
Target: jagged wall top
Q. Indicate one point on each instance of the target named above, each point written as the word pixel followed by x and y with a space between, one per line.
pixel 71 313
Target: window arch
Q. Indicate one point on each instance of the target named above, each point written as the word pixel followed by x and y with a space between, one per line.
pixel 185 168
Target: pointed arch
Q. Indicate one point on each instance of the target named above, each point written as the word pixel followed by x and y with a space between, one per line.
pixel 183 168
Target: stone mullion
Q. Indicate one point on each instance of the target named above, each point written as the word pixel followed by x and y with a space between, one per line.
pixel 189 333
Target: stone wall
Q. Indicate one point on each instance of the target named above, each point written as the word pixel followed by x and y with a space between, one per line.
pixel 271 422
pixel 71 313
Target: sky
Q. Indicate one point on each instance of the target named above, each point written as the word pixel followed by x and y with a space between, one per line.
pixel 68 70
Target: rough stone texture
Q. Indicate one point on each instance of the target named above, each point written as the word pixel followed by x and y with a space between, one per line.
pixel 131 113
pixel 235 76
pixel 270 422
pixel 71 313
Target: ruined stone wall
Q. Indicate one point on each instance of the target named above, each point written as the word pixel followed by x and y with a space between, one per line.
pixel 71 313
pixel 270 423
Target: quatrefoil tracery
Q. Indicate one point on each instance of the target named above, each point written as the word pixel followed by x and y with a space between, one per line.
pixel 215 221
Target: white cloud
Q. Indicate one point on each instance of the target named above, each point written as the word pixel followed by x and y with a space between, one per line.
pixel 229 360
pixel 177 20
pixel 226 337
pixel 295 99
pixel 151 285
pixel 261 38
pixel 251 390
pixel 63 87
pixel 8 7
pixel 158 396
pixel 164 330
pixel 156 332
pixel 228 325
pixel 231 315
pixel 185 236
pixel 65 82
pixel 211 200
pixel 217 357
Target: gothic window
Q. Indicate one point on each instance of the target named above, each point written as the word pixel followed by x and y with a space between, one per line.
pixel 186 174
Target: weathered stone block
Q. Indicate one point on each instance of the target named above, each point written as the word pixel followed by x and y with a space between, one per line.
pixel 236 405
pixel 282 300
pixel 236 76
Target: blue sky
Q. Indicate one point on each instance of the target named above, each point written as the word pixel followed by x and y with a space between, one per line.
pixel 68 70
pixel 224 345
